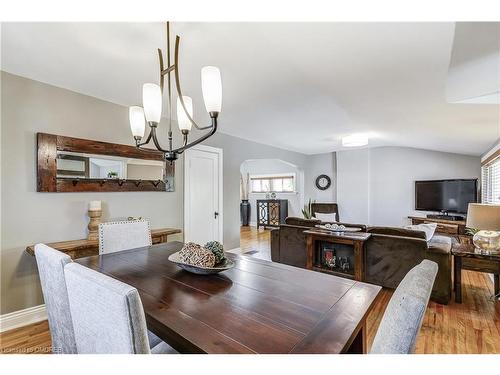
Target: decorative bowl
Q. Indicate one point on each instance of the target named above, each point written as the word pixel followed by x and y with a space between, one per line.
pixel 223 266
pixel 338 228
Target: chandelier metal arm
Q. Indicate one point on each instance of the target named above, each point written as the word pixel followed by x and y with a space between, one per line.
pixel 178 86
pixel 213 128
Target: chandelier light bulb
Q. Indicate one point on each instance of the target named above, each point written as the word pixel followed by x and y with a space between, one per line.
pixel 211 86
pixel 151 101
pixel 137 122
pixel 182 119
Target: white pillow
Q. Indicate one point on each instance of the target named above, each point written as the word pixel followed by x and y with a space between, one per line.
pixel 327 218
pixel 428 229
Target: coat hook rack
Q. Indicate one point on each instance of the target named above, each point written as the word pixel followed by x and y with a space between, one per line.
pixel 102 182
pixel 76 181
pixel 137 183
pixel 156 183
pixel 120 182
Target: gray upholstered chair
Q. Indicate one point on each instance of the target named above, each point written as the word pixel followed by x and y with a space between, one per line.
pixel 123 235
pixel 51 264
pixel 107 314
pixel 402 320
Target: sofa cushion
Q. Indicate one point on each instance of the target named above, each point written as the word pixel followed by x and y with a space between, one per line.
pixel 393 231
pixel 326 218
pixel 428 229
pixel 440 244
pixel 298 221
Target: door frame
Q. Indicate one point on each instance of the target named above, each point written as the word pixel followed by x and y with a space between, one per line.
pixel 186 182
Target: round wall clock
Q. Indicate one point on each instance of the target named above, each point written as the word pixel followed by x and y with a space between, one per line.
pixel 323 182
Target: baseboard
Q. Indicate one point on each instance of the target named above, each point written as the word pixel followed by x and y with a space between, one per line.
pixel 22 318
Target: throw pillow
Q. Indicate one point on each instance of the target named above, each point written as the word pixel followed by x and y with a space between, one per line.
pixel 428 229
pixel 326 218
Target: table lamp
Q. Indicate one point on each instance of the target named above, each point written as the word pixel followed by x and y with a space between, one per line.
pixel 486 219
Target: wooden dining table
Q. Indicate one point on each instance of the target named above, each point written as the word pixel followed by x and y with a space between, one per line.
pixel 256 307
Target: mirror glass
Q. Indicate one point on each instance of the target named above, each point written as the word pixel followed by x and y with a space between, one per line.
pixel 78 165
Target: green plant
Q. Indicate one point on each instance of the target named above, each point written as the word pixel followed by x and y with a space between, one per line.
pixel 216 248
pixel 471 231
pixel 307 210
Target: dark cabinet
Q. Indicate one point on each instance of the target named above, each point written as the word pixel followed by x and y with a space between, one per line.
pixel 271 212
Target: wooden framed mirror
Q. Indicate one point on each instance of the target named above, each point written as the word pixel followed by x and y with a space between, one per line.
pixel 66 164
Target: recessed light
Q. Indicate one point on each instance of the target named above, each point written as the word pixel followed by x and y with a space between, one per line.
pixel 355 140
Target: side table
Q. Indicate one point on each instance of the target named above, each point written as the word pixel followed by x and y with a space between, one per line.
pixel 465 257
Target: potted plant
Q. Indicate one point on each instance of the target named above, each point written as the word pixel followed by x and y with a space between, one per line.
pixel 307 210
pixel 244 205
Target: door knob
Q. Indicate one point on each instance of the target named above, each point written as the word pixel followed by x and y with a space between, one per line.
pixel 216 214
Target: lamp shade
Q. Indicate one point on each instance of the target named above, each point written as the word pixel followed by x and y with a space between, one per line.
pixel 211 86
pixel 151 101
pixel 137 122
pixel 182 119
pixel 483 216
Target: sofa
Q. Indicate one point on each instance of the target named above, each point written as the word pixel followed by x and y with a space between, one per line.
pixel 288 242
pixel 392 252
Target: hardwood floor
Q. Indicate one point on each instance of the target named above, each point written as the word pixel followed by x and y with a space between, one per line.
pixel 470 327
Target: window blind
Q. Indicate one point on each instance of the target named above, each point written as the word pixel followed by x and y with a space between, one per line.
pixel 490 182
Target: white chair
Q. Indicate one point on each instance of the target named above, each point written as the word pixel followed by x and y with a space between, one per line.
pixel 51 264
pixel 123 235
pixel 400 325
pixel 107 314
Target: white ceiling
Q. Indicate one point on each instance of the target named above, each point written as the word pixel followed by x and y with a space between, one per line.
pixel 298 86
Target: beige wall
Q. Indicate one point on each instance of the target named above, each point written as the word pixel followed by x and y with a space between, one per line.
pixel 29 217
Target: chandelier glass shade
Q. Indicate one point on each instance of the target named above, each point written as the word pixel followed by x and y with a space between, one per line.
pixel 151 110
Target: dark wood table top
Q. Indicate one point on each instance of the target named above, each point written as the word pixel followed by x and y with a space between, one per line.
pixel 356 236
pixel 469 251
pixel 256 307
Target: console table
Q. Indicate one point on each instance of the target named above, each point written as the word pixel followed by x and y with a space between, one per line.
pixel 350 245
pixel 84 248
pixel 466 258
pixel 271 212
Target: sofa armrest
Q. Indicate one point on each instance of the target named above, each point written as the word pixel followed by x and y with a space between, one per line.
pixel 275 245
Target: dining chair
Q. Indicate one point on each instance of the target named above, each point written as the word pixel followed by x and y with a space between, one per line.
pixel 123 235
pixel 403 317
pixel 107 314
pixel 51 264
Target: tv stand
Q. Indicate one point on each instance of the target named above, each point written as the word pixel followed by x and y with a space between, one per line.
pixel 446 217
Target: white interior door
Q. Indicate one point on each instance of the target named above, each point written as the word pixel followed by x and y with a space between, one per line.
pixel 203 194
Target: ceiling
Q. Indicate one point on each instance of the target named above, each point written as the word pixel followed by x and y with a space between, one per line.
pixel 298 86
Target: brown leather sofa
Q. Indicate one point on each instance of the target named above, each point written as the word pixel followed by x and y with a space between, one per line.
pixel 288 242
pixel 392 252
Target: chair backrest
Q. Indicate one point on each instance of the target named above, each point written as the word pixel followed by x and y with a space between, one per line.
pixel 400 325
pixel 107 314
pixel 123 235
pixel 51 264
pixel 326 208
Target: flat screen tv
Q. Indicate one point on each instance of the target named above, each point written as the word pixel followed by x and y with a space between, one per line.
pixel 445 195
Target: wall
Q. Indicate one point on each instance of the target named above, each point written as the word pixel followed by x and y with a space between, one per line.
pixel 275 166
pixel 376 186
pixel 29 217
pixel 317 165
pixel 236 151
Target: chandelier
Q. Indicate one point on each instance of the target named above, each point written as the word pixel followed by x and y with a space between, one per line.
pixel 152 95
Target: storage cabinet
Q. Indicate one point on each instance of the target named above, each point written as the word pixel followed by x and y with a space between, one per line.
pixel 271 212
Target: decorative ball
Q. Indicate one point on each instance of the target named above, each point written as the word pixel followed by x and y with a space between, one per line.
pixel 192 253
pixel 217 249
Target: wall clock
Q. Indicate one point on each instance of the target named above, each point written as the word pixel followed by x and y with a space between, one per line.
pixel 323 182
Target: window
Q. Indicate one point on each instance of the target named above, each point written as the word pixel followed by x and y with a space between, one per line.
pixel 272 183
pixel 490 182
